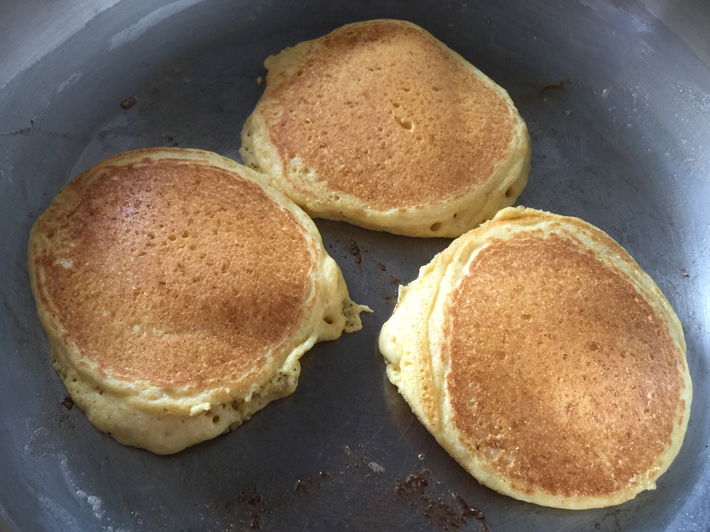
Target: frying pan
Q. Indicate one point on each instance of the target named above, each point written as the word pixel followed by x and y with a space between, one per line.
pixel 615 94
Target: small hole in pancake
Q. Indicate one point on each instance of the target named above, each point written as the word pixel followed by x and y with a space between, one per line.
pixel 407 89
pixel 185 234
pixel 526 316
pixel 435 227
pixel 299 73
pixel 215 419
pixel 328 320
pixel 396 104
pixel 172 238
pixel 509 192
pixel 593 346
pixel 406 124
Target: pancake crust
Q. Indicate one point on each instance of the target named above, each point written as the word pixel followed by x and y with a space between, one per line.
pixel 178 293
pixel 382 125
pixel 544 360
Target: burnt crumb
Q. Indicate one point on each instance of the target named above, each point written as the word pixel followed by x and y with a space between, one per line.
pixel 303 486
pixel 414 484
pixel 414 491
pixel 170 139
pixel 555 87
pixel 597 526
pixel 686 274
pixel 250 497
pixel 128 102
pixel 390 299
pixel 468 510
pixel 68 402
pixel 382 267
pixel 250 500
pixel 484 528
pixel 394 280
pixel 355 252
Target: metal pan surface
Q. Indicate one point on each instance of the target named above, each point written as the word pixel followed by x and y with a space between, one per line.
pixel 617 99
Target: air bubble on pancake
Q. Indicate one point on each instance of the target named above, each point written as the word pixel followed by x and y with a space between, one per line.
pixel 492 453
pixel 507 460
pixel 435 227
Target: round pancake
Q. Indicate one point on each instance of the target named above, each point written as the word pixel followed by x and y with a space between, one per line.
pixel 381 125
pixel 544 360
pixel 178 293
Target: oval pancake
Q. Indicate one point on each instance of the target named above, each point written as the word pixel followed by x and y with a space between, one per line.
pixel 544 360
pixel 381 125
pixel 178 293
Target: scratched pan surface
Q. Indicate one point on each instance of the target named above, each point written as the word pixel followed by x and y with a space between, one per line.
pixel 616 98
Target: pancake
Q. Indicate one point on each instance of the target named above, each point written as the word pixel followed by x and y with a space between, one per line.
pixel 381 125
pixel 178 293
pixel 544 360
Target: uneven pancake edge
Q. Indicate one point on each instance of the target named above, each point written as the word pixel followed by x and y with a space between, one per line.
pixel 447 216
pixel 327 311
pixel 418 366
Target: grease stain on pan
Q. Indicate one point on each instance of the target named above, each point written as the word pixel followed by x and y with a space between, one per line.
pixel 132 32
pixel 32 43
pixel 70 81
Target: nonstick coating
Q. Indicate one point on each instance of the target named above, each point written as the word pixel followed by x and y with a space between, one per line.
pixel 615 95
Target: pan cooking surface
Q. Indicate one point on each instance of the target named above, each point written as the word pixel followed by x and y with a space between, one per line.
pixel 616 100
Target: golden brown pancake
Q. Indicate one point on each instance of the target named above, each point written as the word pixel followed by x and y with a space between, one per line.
pixel 381 125
pixel 178 293
pixel 544 360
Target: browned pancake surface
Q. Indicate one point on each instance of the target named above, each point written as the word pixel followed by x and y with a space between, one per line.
pixel 180 274
pixel 560 372
pixel 382 112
